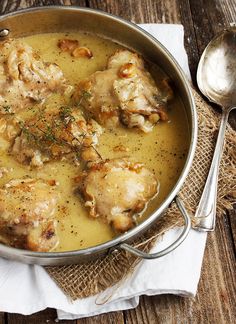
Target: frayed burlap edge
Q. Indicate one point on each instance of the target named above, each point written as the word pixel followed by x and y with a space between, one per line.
pixel 79 281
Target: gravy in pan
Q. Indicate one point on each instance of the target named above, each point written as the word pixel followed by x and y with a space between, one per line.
pixel 163 150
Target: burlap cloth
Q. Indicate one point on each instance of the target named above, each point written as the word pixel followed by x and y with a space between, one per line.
pixel 78 281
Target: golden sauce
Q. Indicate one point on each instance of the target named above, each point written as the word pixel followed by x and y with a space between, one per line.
pixel 163 150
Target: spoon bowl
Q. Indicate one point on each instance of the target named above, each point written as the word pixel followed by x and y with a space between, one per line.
pixel 216 74
pixel 216 78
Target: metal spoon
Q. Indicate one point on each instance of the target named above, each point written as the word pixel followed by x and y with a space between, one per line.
pixel 216 78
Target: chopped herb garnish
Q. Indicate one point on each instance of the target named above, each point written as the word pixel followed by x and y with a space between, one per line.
pixel 8 110
pixel 65 115
pixel 47 129
pixel 84 95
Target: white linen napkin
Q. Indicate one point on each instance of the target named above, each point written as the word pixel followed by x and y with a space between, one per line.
pixel 27 289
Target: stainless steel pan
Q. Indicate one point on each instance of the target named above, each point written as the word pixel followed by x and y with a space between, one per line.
pixel 66 19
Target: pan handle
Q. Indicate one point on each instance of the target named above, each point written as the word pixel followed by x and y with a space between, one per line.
pixel 170 248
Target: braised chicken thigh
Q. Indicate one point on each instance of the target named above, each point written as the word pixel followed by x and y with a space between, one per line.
pixel 27 208
pixel 25 78
pixel 56 134
pixel 9 128
pixel 125 92
pixel 116 190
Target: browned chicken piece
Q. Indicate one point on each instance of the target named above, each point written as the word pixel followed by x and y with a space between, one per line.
pixel 9 128
pixel 117 190
pixel 25 78
pixel 56 134
pixel 68 45
pixel 125 92
pixel 72 46
pixel 27 214
pixel 84 52
pixel 3 171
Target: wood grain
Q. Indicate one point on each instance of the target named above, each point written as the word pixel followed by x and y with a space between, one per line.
pixel 2 318
pixel 215 301
pixel 9 6
pixel 48 316
pixel 111 318
pixel 215 15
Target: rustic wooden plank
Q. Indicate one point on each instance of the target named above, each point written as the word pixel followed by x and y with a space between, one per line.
pixel 215 301
pixel 139 11
pixel 48 316
pixel 9 6
pixel 2 318
pixel 189 36
pixel 215 15
pixel 110 318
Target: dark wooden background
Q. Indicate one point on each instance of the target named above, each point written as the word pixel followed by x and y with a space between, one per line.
pixel 216 298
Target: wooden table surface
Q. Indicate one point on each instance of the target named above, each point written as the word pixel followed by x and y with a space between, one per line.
pixel 215 301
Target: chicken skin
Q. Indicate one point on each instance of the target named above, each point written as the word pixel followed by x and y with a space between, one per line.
pixel 54 135
pixel 25 78
pixel 117 190
pixel 27 209
pixel 9 128
pixel 125 92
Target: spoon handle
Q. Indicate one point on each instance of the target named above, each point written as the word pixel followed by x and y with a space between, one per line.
pixel 206 211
